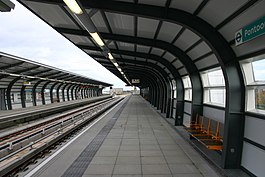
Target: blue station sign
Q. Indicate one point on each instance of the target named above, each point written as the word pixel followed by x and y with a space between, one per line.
pixel 251 31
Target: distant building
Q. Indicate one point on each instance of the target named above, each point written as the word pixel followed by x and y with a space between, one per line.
pixel 135 91
pixel 117 91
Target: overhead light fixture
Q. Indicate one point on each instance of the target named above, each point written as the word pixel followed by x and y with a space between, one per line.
pixel 110 56
pixel 6 5
pixel 119 69
pixel 73 6
pixel 97 38
pixel 31 77
pixel 15 75
pixel 116 64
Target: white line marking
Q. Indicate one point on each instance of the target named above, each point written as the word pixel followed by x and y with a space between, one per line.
pixel 32 172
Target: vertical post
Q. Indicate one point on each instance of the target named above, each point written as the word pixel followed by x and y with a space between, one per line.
pixel 2 99
pixel 77 92
pixel 72 92
pixel 89 92
pixel 58 92
pixel 63 91
pixel 96 91
pixel 197 96
pixel 51 91
pixel 172 107
pixel 68 92
pixel 34 99
pixel 23 96
pixel 180 103
pixel 43 92
pixel 8 92
pixel 82 93
pixel 168 111
pixel 86 92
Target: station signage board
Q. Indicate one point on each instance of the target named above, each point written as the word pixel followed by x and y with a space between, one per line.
pixel 135 81
pixel 251 31
pixel 26 83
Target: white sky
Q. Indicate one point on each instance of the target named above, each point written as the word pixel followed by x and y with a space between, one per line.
pixel 259 70
pixel 25 35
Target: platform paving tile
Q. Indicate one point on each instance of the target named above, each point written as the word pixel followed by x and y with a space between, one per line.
pixel 178 159
pixel 196 158
pixel 96 176
pixel 147 147
pixel 143 134
pixel 129 153
pixel 148 141
pixel 131 136
pixel 142 144
pixel 156 169
pixel 133 122
pixel 153 160
pixel 183 168
pixel 169 147
pixel 114 136
pixel 126 176
pixel 99 169
pixel 116 131
pixel 151 153
pixel 125 160
pixel 173 153
pixel 109 148
pixel 150 137
pixel 112 141
pixel 166 142
pixel 135 132
pixel 189 175
pixel 157 175
pixel 135 147
pixel 103 160
pixel 130 141
pixel 206 170
pixel 127 169
pixel 107 153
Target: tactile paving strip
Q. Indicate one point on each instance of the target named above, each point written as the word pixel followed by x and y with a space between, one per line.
pixel 79 166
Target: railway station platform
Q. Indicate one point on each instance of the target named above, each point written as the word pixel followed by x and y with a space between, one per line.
pixel 132 139
pixel 16 118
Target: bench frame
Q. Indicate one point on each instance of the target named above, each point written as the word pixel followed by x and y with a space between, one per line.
pixel 211 139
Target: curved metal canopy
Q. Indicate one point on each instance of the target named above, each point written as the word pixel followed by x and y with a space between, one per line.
pixel 181 37
pixel 12 66
pixel 193 33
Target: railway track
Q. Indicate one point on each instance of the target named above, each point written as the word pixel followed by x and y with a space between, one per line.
pixel 25 145
pixel 7 138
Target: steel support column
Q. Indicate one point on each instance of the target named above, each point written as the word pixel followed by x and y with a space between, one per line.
pixel 77 92
pixel 68 92
pixel 34 99
pixel 23 96
pixel 51 91
pixel 2 99
pixel 58 92
pixel 72 92
pixel 8 92
pixel 63 92
pixel 82 93
pixel 43 92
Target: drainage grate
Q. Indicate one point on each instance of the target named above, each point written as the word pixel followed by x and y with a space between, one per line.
pixel 79 166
